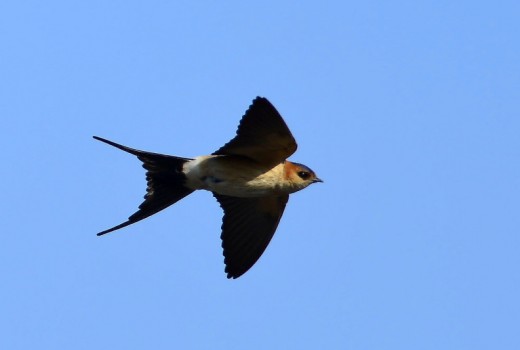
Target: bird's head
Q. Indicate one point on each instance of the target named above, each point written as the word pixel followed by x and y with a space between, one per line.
pixel 299 175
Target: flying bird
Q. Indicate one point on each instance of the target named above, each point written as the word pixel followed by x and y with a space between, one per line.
pixel 249 176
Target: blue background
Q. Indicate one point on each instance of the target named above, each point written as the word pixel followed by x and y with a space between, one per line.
pixel 409 110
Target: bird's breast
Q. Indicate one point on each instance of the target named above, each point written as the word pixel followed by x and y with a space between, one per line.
pixel 234 176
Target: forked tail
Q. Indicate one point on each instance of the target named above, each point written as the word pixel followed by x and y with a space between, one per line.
pixel 165 183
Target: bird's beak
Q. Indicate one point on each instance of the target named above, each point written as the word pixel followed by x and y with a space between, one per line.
pixel 317 180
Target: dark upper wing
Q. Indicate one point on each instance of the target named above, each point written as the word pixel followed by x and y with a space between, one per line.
pixel 247 228
pixel 262 135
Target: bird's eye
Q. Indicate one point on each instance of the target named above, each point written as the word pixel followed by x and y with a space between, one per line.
pixel 304 174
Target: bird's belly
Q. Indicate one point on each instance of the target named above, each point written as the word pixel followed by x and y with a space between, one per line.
pixel 230 176
pixel 237 188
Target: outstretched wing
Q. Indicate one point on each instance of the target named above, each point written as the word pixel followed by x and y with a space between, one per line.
pixel 247 228
pixel 262 135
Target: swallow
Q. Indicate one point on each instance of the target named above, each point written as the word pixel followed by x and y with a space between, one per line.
pixel 249 176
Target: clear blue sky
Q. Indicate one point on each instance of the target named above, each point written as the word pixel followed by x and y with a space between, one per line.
pixel 409 110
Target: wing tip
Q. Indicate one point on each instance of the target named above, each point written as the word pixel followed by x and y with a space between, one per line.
pixel 234 275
